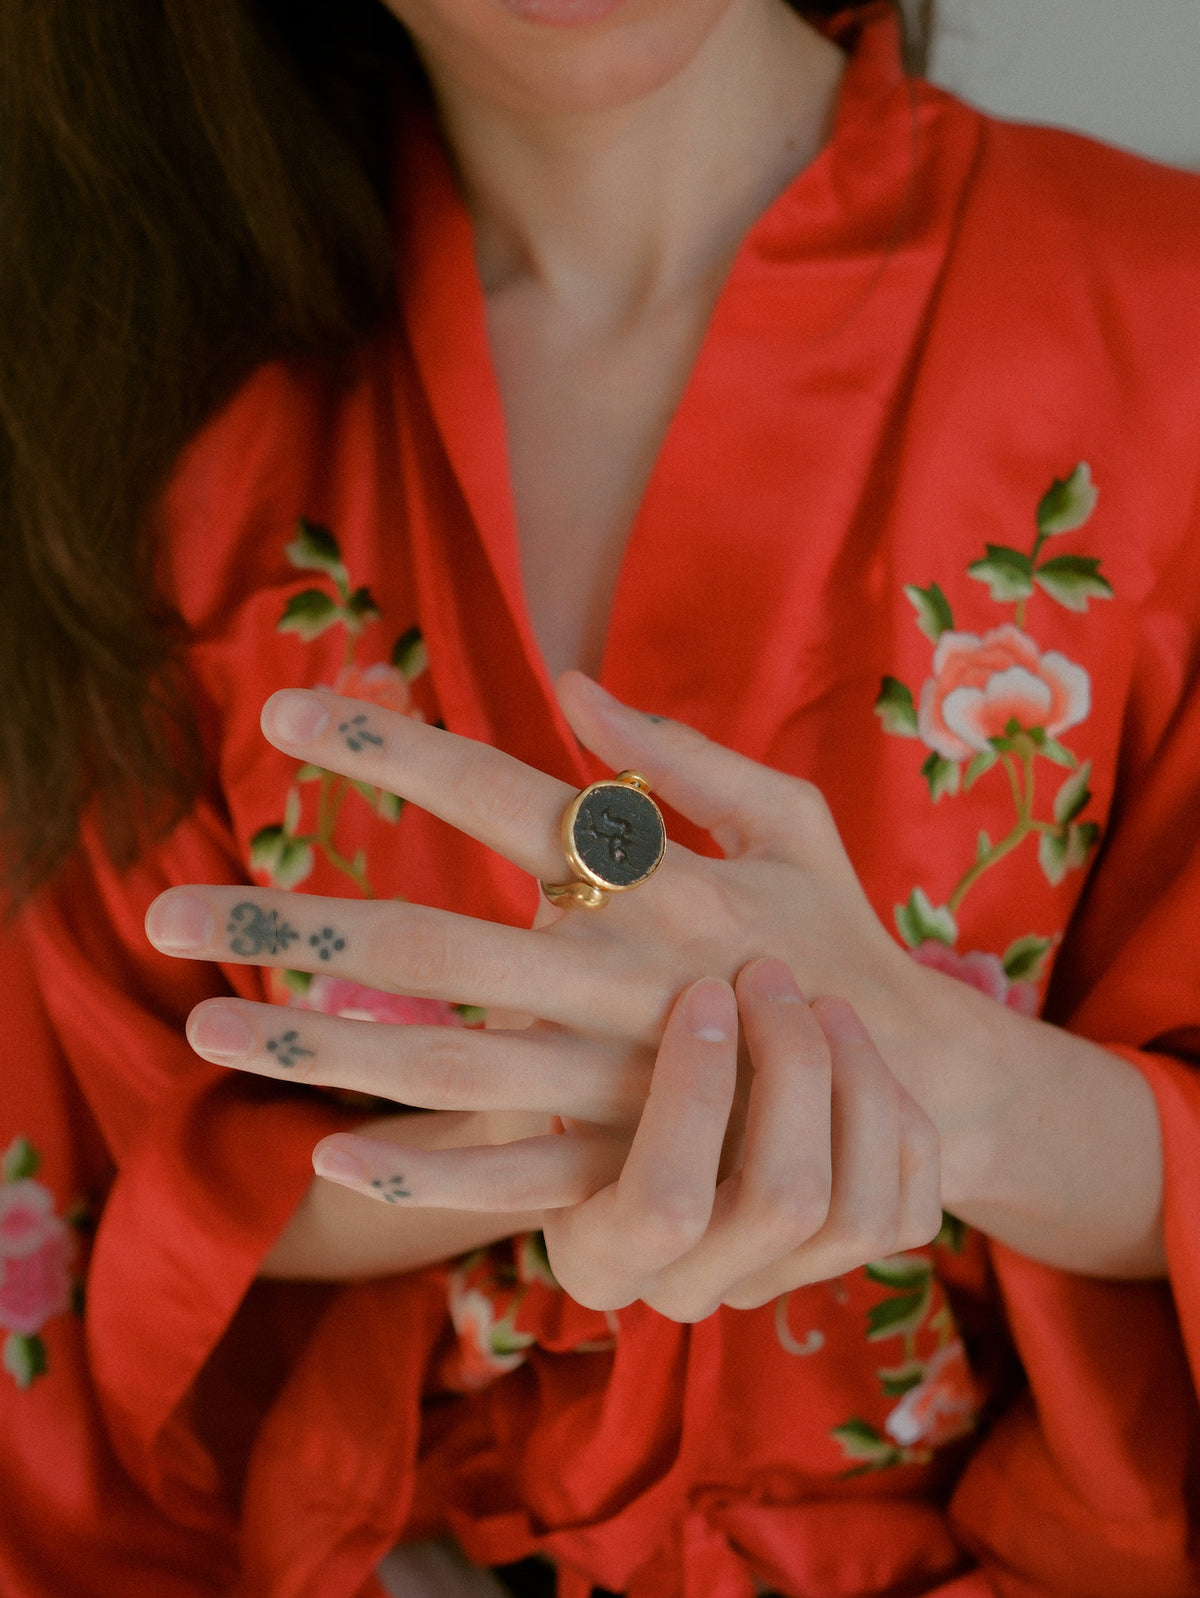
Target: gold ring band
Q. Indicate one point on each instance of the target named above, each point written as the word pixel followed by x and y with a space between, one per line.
pixel 613 836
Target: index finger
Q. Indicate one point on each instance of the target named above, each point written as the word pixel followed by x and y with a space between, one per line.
pixel 491 796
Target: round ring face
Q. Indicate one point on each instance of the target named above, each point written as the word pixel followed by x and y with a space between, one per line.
pixel 615 835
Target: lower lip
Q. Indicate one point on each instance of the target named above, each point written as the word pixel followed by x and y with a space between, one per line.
pixel 562 13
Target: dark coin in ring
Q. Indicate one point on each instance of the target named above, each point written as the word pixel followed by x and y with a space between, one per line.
pixel 617 835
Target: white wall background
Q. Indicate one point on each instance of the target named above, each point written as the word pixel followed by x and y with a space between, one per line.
pixel 1127 71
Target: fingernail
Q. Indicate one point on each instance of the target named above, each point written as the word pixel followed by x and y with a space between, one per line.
pixel 771 980
pixel 840 1020
pixel 295 717
pixel 179 921
pixel 338 1165
pixel 221 1033
pixel 710 1011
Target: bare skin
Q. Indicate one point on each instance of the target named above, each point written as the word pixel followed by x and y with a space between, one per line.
pixel 1045 1140
pixel 610 170
pixel 603 237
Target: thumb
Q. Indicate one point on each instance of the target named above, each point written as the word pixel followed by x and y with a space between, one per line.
pixel 748 808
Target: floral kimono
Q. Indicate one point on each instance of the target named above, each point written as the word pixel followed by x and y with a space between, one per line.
pixel 923 530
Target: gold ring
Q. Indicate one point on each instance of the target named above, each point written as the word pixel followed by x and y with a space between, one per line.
pixel 613 837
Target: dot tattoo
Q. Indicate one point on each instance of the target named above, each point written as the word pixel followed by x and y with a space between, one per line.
pixel 253 930
pixel 357 733
pixel 287 1050
pixel 327 943
pixel 391 1189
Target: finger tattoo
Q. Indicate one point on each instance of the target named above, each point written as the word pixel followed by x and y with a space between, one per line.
pixel 390 1189
pixel 327 943
pixel 287 1049
pixel 253 930
pixel 357 732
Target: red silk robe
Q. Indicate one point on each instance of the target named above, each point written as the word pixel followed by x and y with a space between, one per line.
pixel 924 531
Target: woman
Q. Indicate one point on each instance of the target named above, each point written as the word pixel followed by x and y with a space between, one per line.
pixel 726 369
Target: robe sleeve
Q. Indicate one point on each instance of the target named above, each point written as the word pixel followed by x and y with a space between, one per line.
pixel 1085 1486
pixel 209 1164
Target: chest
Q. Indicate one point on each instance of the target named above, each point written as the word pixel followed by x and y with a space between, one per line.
pixel 586 411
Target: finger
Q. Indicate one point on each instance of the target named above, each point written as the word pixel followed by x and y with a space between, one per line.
pixel 659 1209
pixel 428 1067
pixel 408 948
pixel 747 807
pixel 529 1174
pixel 782 1195
pixel 920 1215
pixel 863 1220
pixel 490 796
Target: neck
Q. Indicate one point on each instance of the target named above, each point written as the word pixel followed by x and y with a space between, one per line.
pixel 612 211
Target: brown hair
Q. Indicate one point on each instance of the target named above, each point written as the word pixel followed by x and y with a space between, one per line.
pixel 187 188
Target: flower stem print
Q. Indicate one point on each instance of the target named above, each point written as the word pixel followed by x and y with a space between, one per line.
pixel 285 852
pixel 996 702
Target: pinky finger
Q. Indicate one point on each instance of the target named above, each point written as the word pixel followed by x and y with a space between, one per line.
pixel 529 1174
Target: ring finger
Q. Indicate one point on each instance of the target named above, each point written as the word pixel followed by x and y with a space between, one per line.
pixel 427 1067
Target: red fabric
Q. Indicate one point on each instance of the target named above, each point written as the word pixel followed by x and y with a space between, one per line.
pixel 942 315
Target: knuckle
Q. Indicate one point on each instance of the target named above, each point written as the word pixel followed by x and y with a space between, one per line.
pixel 791 1213
pixel 449 1074
pixel 504 799
pixel 420 956
pixel 674 1226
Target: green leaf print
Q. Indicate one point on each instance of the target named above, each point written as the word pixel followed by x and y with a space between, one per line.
pixel 896 709
pixel 409 654
pixel 861 1441
pixel 983 761
pixel 952 1235
pixel 1074 795
pixel 1025 959
pixel 315 549
pixel 360 610
pixel 897 1316
pixel 1007 572
pixel 1066 850
pixel 896 1380
pixel 934 616
pixel 1072 580
pixel 1067 503
pixel 286 860
pixel 310 613
pixel 942 775
pixel 905 1271
pixel 919 921
pixel 24 1358
pixel 19 1161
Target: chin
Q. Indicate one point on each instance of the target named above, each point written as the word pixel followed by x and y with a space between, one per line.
pixel 558 56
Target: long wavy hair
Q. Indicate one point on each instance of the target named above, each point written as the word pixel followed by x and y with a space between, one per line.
pixel 187 189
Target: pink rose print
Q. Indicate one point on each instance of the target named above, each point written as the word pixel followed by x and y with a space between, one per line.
pixel 378 685
pixel 980 686
pixel 339 996
pixel 36 1282
pixel 37 1252
pixel 942 1405
pixel 979 970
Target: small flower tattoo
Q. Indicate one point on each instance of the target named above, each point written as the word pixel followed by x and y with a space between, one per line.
pixel 327 943
pixel 391 1189
pixel 357 733
pixel 288 1050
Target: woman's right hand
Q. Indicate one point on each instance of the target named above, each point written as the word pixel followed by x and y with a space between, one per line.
pixel 838 1165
